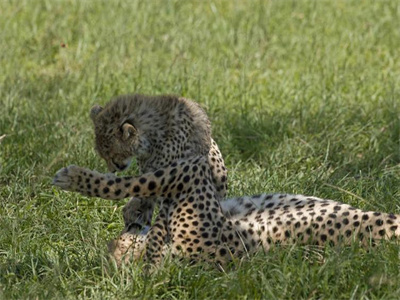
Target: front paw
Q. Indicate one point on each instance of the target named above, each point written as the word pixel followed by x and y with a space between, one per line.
pixel 68 178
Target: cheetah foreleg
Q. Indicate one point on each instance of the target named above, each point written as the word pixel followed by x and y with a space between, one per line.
pixel 161 183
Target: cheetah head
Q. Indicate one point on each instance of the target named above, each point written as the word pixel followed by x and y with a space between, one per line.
pixel 130 246
pixel 117 139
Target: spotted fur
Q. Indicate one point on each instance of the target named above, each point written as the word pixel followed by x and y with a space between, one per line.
pixel 156 130
pixel 194 225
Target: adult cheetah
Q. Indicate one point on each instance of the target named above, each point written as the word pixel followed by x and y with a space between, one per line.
pixel 197 228
pixel 156 130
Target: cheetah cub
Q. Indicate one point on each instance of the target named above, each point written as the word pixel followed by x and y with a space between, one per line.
pixel 157 131
pixel 193 224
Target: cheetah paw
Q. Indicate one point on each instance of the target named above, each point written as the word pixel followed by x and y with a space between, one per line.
pixel 67 178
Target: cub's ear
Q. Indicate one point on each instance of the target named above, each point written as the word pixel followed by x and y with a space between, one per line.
pixel 94 111
pixel 128 131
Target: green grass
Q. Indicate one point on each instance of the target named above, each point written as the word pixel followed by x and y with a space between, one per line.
pixel 304 97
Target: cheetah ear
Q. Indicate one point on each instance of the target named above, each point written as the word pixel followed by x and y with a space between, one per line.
pixel 94 111
pixel 128 131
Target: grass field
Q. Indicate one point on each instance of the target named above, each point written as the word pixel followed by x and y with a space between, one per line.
pixel 304 97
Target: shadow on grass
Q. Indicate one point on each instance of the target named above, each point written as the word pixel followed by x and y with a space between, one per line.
pixel 354 137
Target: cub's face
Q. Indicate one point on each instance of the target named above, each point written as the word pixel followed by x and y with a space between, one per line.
pixel 128 247
pixel 116 142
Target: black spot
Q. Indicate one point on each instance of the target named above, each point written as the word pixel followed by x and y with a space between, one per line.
pixel 338 225
pixel 180 187
pixel 382 232
pixel 222 252
pixel 143 180
pixel 333 216
pixel 106 190
pixel 393 228
pixel 128 184
pixel 323 237
pixel 186 179
pixel 348 233
pixel 379 222
pixel 208 243
pixel 331 231
pixel 151 186
pixel 297 225
pixel 118 180
pixel 97 181
pixel 356 224
pixel 171 179
pixel 365 217
pixel 110 182
pixel 117 192
pixel 136 189
pixel 159 173
pixel 345 221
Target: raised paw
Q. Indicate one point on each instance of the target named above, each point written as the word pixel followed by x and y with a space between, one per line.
pixel 69 178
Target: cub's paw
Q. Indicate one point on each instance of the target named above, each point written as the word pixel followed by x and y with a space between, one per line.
pixel 69 178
